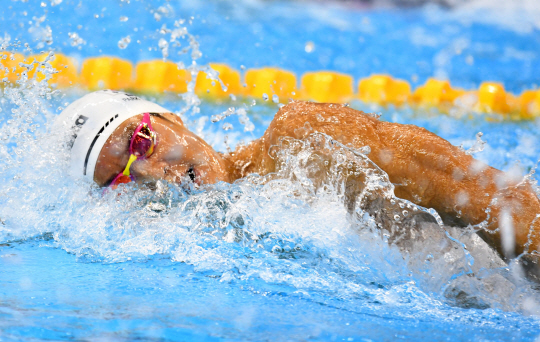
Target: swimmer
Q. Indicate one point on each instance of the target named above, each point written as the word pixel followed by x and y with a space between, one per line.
pixel 118 138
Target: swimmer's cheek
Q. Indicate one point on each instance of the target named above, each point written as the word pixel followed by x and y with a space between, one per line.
pixel 146 171
pixel 206 175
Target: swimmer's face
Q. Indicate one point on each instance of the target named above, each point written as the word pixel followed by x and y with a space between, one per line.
pixel 180 156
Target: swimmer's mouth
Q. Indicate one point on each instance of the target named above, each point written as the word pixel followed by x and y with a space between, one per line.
pixel 194 175
pixel 191 174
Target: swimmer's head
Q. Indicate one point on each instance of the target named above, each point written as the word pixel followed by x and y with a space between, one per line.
pixel 101 125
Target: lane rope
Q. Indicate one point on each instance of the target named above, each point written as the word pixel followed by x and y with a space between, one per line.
pixel 155 77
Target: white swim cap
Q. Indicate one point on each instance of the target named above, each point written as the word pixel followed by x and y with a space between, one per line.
pixel 92 119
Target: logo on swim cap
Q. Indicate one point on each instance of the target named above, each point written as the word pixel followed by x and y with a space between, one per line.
pixel 81 120
pixel 92 119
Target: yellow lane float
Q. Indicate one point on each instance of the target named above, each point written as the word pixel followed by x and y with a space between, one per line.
pixel 159 76
pixel 63 69
pixel 529 104
pixel 383 89
pixel 436 93
pixel 206 86
pixel 11 66
pixel 271 81
pixel 327 86
pixel 106 72
pixel 492 98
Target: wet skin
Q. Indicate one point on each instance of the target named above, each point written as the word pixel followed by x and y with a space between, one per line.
pixel 425 168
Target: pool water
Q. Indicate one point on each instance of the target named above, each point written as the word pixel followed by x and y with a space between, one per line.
pixel 266 258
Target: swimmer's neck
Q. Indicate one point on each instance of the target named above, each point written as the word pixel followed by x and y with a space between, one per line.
pixel 248 159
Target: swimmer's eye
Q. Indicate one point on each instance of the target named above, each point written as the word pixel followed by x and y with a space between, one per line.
pixel 191 174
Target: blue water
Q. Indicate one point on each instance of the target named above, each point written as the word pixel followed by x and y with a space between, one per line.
pixel 256 260
pixel 463 45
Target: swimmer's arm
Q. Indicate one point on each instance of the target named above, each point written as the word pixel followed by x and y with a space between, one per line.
pixel 425 168
pixel 431 172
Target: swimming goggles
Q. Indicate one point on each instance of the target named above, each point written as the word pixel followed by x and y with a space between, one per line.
pixel 142 145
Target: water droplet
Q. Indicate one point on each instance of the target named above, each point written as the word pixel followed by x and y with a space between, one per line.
pixel 227 126
pixel 124 42
pixel 265 96
pixel 275 98
pixel 164 47
pixel 276 249
pixel 75 39
pixel 405 213
pixel 396 217
pixel 310 47
pixel 123 18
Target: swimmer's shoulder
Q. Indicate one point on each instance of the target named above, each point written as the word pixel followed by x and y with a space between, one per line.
pixel 323 117
pixel 318 111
